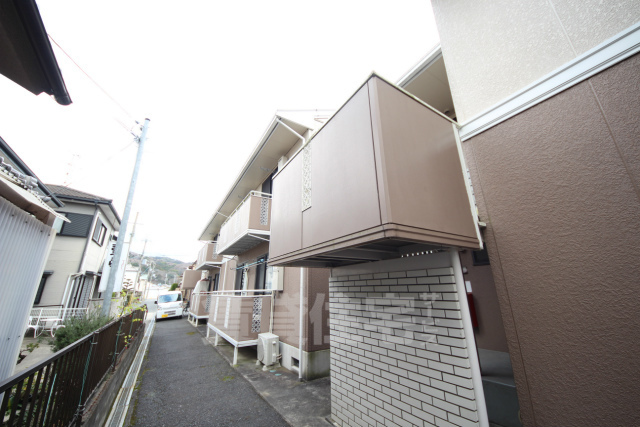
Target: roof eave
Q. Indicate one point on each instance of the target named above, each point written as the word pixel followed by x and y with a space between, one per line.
pixel 206 233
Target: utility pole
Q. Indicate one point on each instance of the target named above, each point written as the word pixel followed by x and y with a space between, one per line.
pixel 140 270
pixel 106 303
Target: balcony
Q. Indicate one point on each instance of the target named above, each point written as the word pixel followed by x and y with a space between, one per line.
pixel 208 257
pixel 239 316
pixel 190 278
pixel 199 306
pixel 383 178
pixel 247 226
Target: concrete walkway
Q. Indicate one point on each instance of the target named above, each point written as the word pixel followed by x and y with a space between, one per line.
pixel 185 382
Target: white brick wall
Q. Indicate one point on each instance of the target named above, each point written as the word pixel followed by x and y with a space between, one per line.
pixel 398 353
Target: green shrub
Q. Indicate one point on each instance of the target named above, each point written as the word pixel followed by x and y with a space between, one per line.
pixel 174 287
pixel 77 328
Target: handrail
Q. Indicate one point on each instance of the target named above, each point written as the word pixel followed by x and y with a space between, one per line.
pixel 251 193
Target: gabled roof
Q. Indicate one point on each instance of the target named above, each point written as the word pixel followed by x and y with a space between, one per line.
pixel 63 192
pixel 275 142
pixel 73 195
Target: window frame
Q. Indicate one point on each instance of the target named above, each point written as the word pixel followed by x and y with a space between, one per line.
pixel 101 231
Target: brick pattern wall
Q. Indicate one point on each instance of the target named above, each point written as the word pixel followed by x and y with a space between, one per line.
pixel 398 353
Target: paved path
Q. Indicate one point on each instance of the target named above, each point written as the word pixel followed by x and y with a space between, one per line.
pixel 185 382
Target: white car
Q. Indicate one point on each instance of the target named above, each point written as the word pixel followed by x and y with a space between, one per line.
pixel 169 304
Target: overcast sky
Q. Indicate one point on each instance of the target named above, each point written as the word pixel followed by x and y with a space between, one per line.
pixel 210 75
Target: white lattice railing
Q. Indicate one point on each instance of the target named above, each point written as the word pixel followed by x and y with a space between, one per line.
pixel 52 318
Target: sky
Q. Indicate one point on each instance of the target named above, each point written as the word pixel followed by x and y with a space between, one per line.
pixel 209 75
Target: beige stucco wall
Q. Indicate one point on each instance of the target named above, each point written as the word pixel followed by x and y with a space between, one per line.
pixel 96 253
pixel 493 48
pixel 561 199
pixel 63 260
pixel 66 254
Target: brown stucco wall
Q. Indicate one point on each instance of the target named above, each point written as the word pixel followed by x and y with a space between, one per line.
pixel 286 321
pixel 317 320
pixel 558 188
pixel 490 331
pixel 227 275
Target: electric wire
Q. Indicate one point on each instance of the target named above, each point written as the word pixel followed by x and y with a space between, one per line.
pixel 128 128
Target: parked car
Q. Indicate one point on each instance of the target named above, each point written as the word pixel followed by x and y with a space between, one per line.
pixel 169 304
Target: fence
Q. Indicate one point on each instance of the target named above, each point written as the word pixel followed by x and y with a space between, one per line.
pixel 55 392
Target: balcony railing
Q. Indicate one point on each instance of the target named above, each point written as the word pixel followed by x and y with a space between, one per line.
pixel 247 226
pixel 239 316
pixel 51 319
pixel 208 257
pixel 199 305
pixel 382 179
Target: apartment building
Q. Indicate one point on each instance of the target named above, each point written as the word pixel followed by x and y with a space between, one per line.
pixel 74 270
pixel 539 102
pixel 251 297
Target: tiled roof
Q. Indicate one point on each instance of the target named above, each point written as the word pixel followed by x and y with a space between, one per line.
pixel 61 191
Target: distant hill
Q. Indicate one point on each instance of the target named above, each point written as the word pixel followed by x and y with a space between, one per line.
pixel 163 269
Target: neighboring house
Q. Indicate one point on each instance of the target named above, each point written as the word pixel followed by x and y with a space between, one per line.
pixel 25 219
pixel 240 229
pixel 74 268
pixel 545 100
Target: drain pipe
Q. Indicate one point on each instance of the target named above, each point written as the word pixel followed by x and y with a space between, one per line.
pixel 300 362
pixel 301 323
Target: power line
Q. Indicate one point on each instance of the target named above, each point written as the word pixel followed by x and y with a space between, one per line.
pixel 97 85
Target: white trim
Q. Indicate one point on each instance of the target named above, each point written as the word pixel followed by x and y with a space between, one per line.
pixel 612 51
pixel 427 61
pixel 230 340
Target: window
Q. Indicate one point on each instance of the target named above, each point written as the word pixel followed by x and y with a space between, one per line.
pixel 480 257
pixel 78 227
pixel 240 274
pixel 169 298
pixel 216 281
pixel 266 185
pixel 99 233
pixel 43 281
pixel 261 270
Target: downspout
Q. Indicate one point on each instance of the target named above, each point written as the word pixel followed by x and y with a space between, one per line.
pixel 300 363
pixel 300 359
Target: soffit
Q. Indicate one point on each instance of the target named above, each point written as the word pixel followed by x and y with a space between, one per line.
pixel 431 85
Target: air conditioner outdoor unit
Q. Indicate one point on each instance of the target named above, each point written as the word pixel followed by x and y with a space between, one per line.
pixel 268 349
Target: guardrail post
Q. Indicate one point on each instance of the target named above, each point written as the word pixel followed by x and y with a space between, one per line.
pixel 115 350
pixel 81 406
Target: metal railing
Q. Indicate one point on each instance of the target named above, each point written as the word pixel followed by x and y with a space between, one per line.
pixel 55 392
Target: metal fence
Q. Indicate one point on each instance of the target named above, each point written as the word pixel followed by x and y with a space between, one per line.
pixel 55 392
